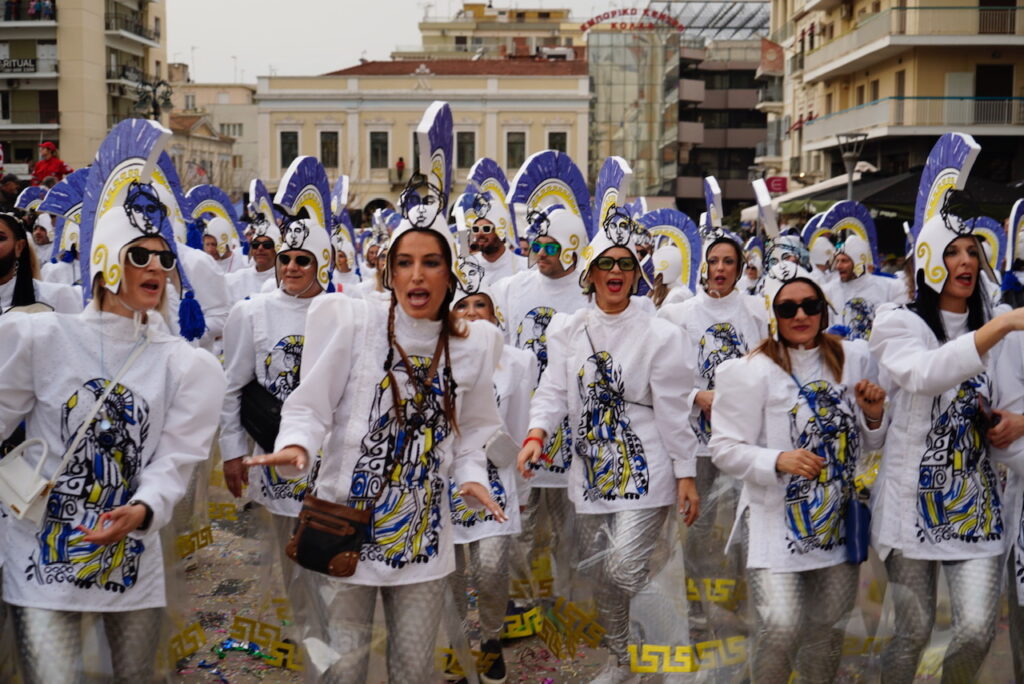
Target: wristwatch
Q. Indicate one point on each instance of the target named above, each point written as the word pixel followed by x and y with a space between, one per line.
pixel 149 514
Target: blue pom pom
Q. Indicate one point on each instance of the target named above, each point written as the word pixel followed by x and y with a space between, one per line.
pixel 245 248
pixel 840 330
pixel 330 287
pixel 194 239
pixel 1010 283
pixel 191 322
pixel 67 257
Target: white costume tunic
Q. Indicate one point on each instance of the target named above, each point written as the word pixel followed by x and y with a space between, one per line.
pixel 61 273
pixel 528 301
pixel 677 295
pixel 715 329
pixel 759 412
pixel 263 341
pixel 623 384
pixel 937 496
pixel 234 263
pixel 512 393
pixel 345 394
pixel 248 282
pixel 154 428
pixel 62 298
pixel 508 264
pixel 210 289
pixel 43 252
pixel 347 283
pixel 856 301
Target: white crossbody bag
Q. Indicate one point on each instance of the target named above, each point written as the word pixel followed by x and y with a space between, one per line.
pixel 23 489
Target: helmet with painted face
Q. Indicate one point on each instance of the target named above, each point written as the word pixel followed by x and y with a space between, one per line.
pixel 304 199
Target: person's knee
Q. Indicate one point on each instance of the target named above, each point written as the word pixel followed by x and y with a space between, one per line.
pixel 974 632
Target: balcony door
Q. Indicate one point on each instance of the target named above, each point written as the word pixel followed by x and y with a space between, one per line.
pixel 996 16
pixel 995 82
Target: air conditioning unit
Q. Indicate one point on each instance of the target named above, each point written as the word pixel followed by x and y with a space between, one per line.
pixel 845 11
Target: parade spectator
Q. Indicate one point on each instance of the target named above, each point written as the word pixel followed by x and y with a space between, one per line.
pixel 9 189
pixel 49 164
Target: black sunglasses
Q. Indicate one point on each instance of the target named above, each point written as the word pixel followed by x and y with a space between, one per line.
pixel 607 263
pixel 301 260
pixel 812 306
pixel 140 257
pixel 263 244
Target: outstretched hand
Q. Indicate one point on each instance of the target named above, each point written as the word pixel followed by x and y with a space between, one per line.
pixel 293 455
pixel 477 496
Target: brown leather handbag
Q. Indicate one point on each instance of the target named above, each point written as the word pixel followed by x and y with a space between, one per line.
pixel 329 536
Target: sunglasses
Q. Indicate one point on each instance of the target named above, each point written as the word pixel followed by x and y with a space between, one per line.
pixel 486 228
pixel 301 260
pixel 607 263
pixel 263 244
pixel 139 257
pixel 812 306
pixel 549 248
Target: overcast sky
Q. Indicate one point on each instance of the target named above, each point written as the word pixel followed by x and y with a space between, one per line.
pixel 229 40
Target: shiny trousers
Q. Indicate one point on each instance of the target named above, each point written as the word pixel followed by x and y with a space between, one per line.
pixel 548 506
pixel 296 579
pixel 1016 621
pixel 614 552
pixel 489 565
pixel 974 588
pixel 412 613
pixel 50 644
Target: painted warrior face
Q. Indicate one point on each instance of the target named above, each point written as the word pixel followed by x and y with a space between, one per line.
pixel 295 234
pixel 145 210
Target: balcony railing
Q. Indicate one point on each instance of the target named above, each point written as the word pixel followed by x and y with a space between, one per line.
pixel 782 33
pixel 133 25
pixel 768 148
pixel 30 117
pixel 770 93
pixel 127 72
pixel 29 10
pixel 895 112
pixel 921 21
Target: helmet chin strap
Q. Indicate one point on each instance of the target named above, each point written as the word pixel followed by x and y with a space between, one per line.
pixel 304 291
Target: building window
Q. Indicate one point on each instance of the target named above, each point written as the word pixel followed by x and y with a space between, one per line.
pixel 828 103
pixel 289 147
pixel 558 140
pixel 329 149
pixel 190 102
pixel 157 67
pixel 860 95
pixel 465 149
pixel 378 149
pixel 232 130
pixel 236 161
pixel 515 149
pixel 874 90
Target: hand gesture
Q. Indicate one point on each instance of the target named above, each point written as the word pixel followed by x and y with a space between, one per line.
pixel 532 451
pixel 800 462
pixel 115 525
pixel 293 455
pixel 689 500
pixel 478 496
pixel 703 400
pixel 870 399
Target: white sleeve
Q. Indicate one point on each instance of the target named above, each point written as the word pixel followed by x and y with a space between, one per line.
pixel 67 299
pixel 188 431
pixel 17 390
pixel 1007 374
pixel 737 424
pixel 308 412
pixel 901 353
pixel 671 385
pixel 211 291
pixel 498 291
pixel 516 409
pixel 239 367
pixel 550 401
pixel 478 417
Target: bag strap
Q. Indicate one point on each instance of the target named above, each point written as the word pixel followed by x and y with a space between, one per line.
pixel 87 423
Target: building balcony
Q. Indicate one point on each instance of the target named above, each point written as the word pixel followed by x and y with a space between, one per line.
pixel 769 98
pixel 31 119
pixel 733 138
pixel 691 90
pixel 32 67
pixel 21 14
pixel 768 152
pixel 928 116
pixel 133 28
pixel 733 98
pixel 885 34
pixel 691 132
pixel 128 74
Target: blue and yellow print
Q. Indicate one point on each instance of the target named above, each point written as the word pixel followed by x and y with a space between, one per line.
pixel 406 525
pixel 815 508
pixel 531 334
pixel 102 475
pixel 614 463
pixel 281 374
pixel 957 490
pixel 720 342
pixel 858 316
pixel 467 517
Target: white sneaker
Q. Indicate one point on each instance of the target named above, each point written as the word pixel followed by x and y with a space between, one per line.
pixel 614 673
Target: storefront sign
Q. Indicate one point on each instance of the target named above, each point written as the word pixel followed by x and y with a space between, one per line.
pixel 778 184
pixel 633 19
pixel 17 66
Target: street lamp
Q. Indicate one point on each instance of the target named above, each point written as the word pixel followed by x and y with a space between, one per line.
pixel 154 95
pixel 850 146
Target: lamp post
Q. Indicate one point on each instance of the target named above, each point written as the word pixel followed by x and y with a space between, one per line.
pixel 154 95
pixel 850 146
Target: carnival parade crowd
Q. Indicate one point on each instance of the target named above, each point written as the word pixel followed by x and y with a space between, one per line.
pixel 417 404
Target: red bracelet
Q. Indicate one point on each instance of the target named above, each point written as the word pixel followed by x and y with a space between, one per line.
pixel 538 440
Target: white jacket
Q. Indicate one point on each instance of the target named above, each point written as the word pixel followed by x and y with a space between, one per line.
pixel 759 411
pixel 856 302
pixel 248 282
pixel 61 298
pixel 623 384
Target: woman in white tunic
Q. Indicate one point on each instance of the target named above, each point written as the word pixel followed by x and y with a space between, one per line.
pixel 791 420
pixel 98 551
pixel 488 541
pixel 938 501
pixel 405 393
pixel 615 371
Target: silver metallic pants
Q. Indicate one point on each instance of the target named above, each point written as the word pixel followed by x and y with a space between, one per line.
pixel 412 613
pixel 548 507
pixel 974 588
pixel 614 552
pixel 489 565
pixel 1016 621
pixel 50 644
pixel 296 581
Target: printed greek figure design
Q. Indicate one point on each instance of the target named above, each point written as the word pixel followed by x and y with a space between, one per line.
pixel 720 342
pixel 1019 556
pixel 615 466
pixel 532 335
pixel 858 316
pixel 958 491
pixel 406 524
pixel 102 475
pixel 281 371
pixel 467 517
pixel 814 508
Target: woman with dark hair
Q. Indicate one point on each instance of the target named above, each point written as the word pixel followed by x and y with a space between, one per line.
pixel 399 397
pixel 938 500
pixel 19 274
pixel 791 420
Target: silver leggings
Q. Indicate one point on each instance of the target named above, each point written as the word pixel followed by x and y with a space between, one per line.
pixel 974 588
pixel 488 564
pixel 412 613
pixel 1016 620
pixel 614 552
pixel 50 644
pixel 548 506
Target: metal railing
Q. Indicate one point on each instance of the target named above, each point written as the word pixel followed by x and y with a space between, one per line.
pixel 768 148
pixel 795 63
pixel 29 10
pixel 133 25
pixel 919 111
pixel 920 21
pixel 30 117
pixel 770 93
pixel 127 72
pixel 782 33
